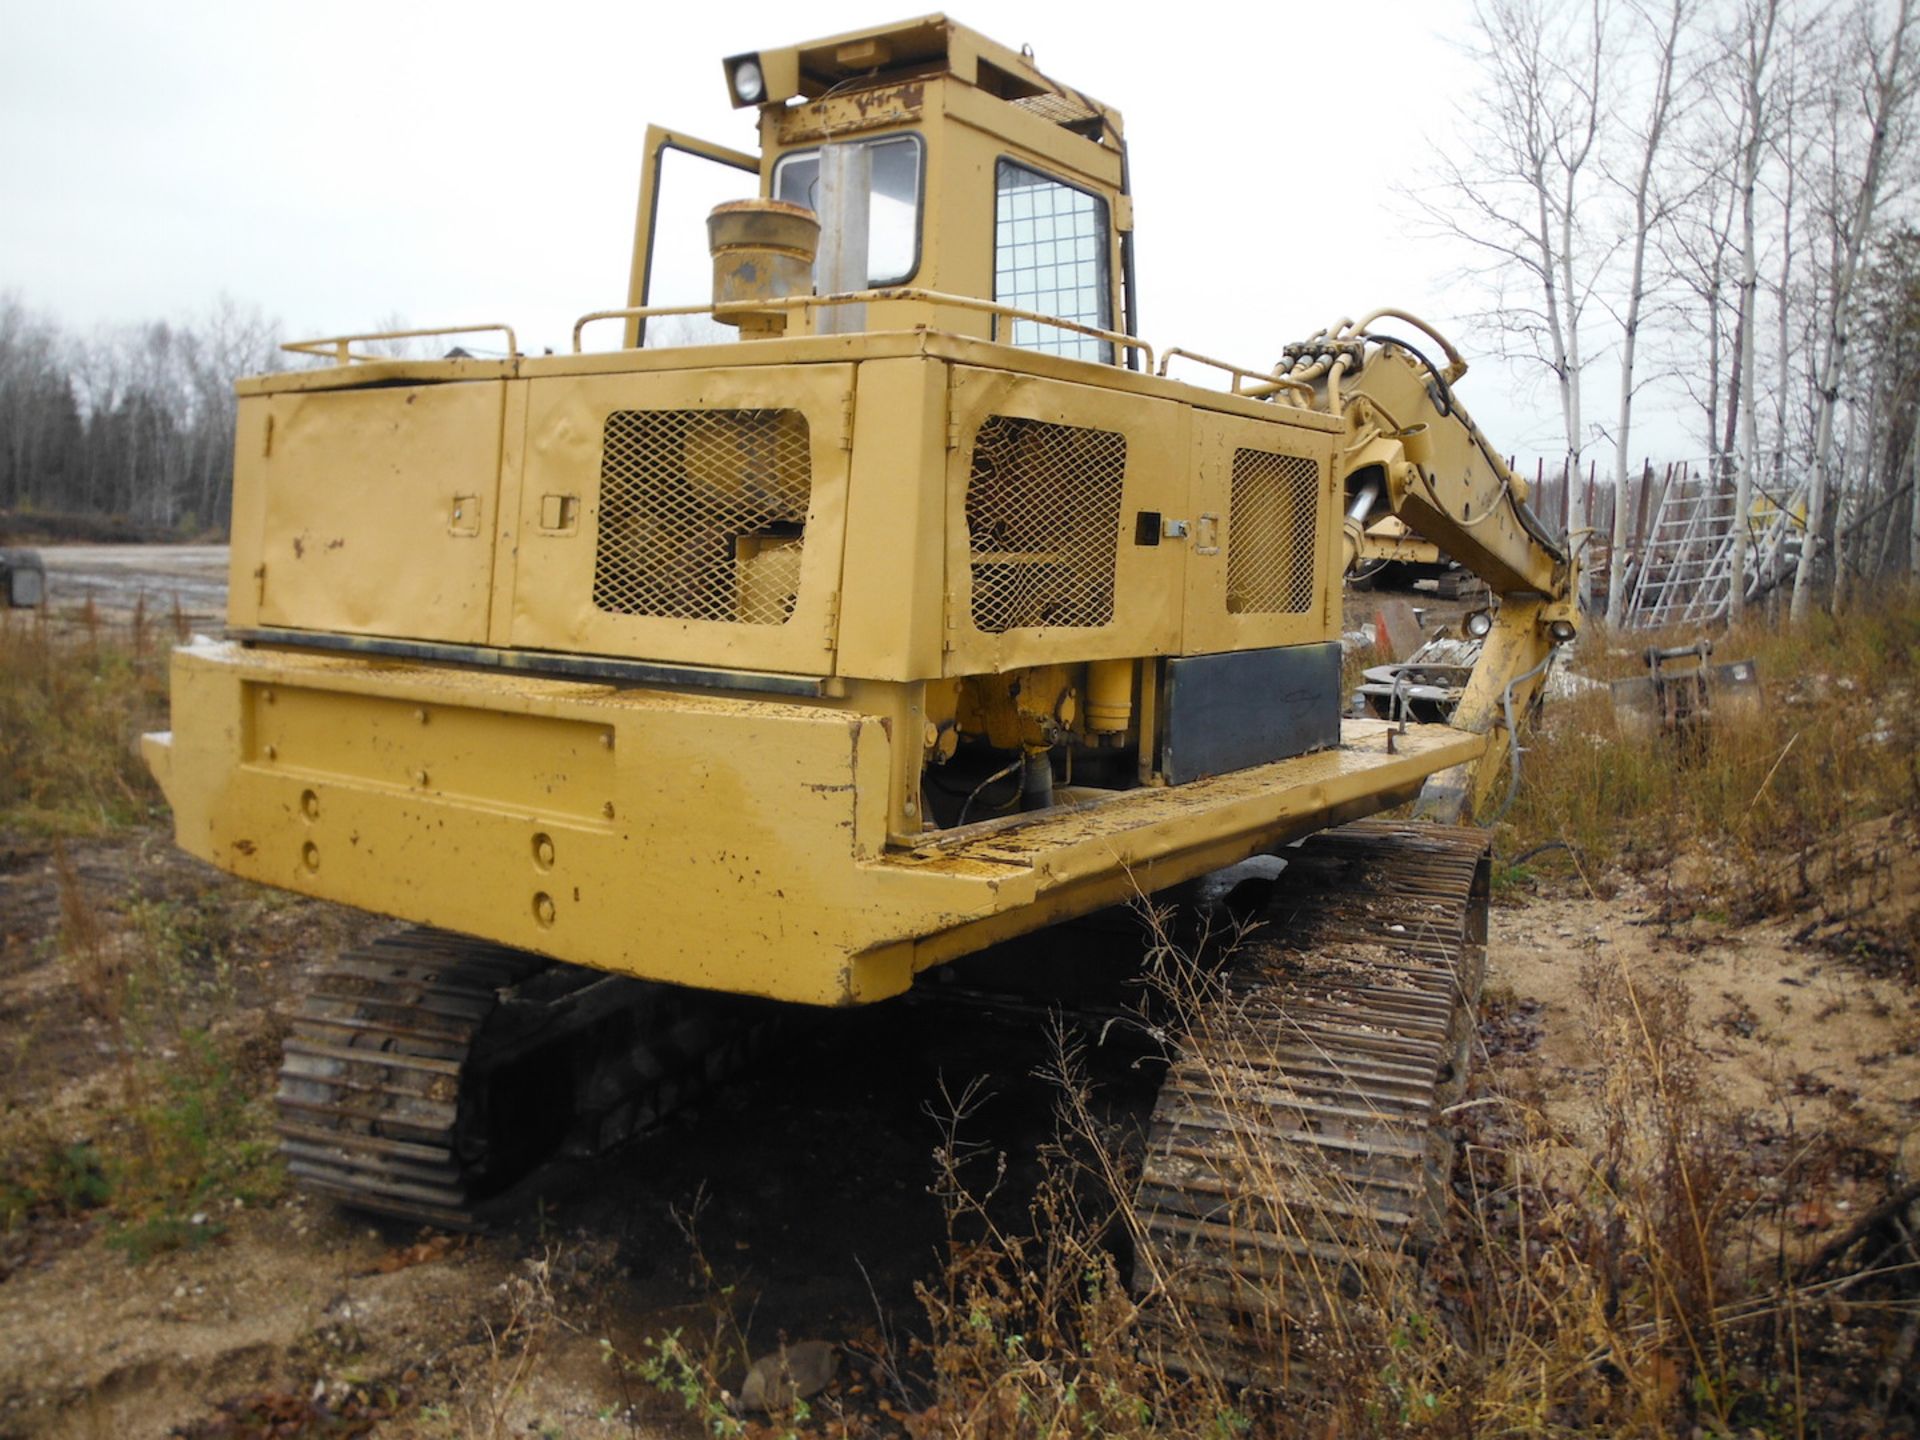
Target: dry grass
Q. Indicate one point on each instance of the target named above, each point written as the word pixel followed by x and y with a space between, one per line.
pixel 1770 808
pixel 73 702
pixel 1626 1276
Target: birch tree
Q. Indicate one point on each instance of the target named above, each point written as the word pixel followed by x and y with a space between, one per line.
pixel 1521 198
pixel 1649 210
pixel 1883 53
pixel 1754 50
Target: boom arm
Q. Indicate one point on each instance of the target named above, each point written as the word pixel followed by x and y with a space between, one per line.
pixel 1412 449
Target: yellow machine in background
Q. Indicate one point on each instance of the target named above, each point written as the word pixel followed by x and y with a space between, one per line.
pixel 904 605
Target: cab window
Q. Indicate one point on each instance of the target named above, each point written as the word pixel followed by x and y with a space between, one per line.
pixel 1050 255
pixel 893 215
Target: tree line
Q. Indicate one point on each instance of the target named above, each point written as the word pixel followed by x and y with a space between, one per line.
pixel 1710 200
pixel 134 422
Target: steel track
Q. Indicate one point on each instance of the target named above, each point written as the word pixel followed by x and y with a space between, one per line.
pixel 1298 1153
pixel 428 1073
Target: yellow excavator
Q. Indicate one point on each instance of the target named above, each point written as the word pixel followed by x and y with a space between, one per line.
pixel 880 595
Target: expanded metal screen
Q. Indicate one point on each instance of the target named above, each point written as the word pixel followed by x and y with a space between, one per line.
pixel 1043 523
pixel 702 513
pixel 1273 524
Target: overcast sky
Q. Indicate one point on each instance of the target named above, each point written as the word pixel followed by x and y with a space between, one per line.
pixel 342 162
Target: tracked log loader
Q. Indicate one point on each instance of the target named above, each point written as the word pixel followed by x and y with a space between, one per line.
pixel 879 597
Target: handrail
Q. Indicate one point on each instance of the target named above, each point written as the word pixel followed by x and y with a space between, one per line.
pixel 861 297
pixel 1266 379
pixel 340 345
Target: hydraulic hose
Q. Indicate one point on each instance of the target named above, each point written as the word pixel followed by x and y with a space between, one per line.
pixel 1513 734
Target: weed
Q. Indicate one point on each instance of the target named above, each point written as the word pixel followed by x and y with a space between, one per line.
pixel 69 715
pixel 673 1370
pixel 197 1143
pixel 1775 805
pixel 1606 1275
pixel 44 1173
pixel 189 1146
pixel 99 963
pixel 1511 882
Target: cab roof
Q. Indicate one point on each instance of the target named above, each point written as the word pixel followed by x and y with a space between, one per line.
pixel 930 45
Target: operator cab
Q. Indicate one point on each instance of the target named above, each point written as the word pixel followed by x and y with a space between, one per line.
pixel 938 163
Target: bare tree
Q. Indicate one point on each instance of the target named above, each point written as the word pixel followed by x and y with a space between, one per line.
pixel 1754 53
pixel 1695 248
pixel 1650 209
pixel 134 421
pixel 1883 87
pixel 1521 200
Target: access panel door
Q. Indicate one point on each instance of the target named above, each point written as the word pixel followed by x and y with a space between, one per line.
pixel 378 510
pixel 1065 533
pixel 1263 566
pixel 694 517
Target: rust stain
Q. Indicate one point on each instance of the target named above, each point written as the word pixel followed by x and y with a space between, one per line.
pixel 907 97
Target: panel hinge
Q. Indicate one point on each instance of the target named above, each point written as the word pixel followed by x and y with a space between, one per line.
pixel 846 422
pixel 953 432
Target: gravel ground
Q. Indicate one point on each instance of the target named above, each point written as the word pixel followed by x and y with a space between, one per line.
pixel 116 578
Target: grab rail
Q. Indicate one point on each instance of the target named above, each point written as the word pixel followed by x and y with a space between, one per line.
pixel 339 346
pixel 1266 380
pixel 863 297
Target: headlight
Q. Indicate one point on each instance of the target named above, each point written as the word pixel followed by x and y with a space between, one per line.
pixel 1478 624
pixel 748 83
pixel 1561 631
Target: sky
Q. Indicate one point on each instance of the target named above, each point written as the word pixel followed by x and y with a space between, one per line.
pixel 338 164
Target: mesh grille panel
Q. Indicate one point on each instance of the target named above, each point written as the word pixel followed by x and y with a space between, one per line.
pixel 1043 523
pixel 1272 525
pixel 701 514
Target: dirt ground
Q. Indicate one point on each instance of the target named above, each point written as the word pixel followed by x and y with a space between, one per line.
pixel 806 1184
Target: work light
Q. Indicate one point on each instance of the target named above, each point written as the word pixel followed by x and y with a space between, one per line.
pixel 749 85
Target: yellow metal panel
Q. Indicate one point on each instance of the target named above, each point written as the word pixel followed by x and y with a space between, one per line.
pixel 377 372
pixel 717 842
pixel 1148 580
pixel 1211 621
pixel 1015 131
pixel 532 764
pixel 379 509
pixel 506 538
pixel 253 438
pixel 890 625
pixel 1142 841
pixel 553 589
